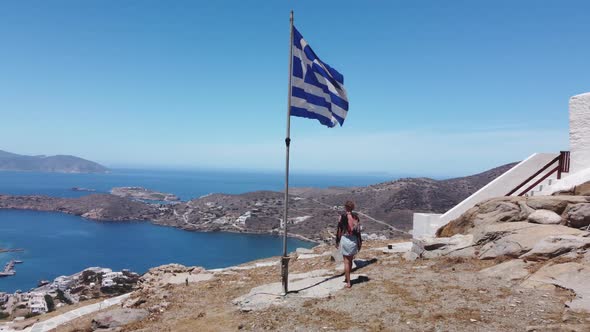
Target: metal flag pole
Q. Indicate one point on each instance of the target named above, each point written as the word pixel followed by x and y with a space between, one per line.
pixel 285 258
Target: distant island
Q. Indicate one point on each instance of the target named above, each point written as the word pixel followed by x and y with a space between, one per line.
pixel 83 189
pixel 59 164
pixel 143 194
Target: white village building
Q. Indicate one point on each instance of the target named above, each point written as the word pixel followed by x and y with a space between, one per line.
pixel 112 275
pixel 37 303
pixel 63 282
pixel 539 174
pixel 107 282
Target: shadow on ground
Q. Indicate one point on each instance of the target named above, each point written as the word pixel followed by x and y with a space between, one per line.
pixel 359 280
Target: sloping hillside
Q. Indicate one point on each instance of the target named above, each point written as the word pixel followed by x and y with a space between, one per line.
pixel 394 202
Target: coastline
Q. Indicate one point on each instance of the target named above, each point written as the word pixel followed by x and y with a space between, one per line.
pixel 249 213
pixel 156 223
pixel 272 232
pixel 157 245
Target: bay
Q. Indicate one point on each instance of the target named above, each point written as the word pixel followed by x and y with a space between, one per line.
pixel 58 244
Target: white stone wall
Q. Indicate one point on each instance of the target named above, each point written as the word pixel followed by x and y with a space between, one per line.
pixel 579 132
pixel 425 224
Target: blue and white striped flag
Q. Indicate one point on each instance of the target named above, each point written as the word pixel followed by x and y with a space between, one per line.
pixel 317 90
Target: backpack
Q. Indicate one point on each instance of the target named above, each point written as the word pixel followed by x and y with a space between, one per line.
pixel 343 229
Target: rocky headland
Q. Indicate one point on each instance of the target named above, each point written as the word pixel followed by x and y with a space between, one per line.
pixel 102 207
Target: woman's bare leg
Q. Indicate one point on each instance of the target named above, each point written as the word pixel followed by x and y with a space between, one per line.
pixel 345 262
pixel 347 267
pixel 350 260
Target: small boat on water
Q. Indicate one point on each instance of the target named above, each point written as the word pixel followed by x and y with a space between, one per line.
pixel 42 283
pixel 17 262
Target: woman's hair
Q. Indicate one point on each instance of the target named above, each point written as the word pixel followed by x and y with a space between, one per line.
pixel 349 206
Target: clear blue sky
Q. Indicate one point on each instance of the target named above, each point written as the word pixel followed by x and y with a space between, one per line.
pixel 435 87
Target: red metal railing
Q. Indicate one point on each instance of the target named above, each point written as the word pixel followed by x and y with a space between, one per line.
pixel 563 166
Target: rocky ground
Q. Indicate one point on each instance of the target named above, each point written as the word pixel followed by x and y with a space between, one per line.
pixel 389 293
pixel 508 264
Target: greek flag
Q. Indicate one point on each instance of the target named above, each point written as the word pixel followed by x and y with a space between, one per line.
pixel 317 90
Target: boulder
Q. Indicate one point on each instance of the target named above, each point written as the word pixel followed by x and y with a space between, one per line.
pixel 454 242
pixel 173 274
pixel 573 276
pixel 431 247
pixel 496 210
pixel 501 248
pixel 556 204
pixel 410 256
pixel 525 209
pixel 507 209
pixel 582 189
pixel 493 232
pixel 173 268
pixel 415 251
pixel 513 269
pixel 578 215
pixel 515 239
pixel 544 217
pixel 118 317
pixel 464 252
pixel 556 245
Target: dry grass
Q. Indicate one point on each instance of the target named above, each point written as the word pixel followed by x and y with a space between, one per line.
pixel 442 294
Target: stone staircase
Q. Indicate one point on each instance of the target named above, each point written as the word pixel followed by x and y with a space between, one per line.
pixel 542 187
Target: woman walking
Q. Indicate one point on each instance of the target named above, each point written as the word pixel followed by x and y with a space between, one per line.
pixel 348 238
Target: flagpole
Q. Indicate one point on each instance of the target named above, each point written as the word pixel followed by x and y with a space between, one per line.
pixel 285 258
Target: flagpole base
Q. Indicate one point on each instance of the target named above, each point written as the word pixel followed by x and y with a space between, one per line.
pixel 285 274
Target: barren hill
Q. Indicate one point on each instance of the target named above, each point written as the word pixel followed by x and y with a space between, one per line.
pixel 60 163
pixel 395 201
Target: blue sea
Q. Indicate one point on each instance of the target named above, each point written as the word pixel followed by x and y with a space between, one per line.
pixel 58 244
